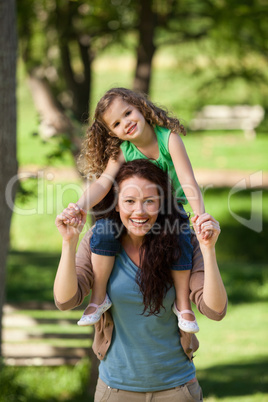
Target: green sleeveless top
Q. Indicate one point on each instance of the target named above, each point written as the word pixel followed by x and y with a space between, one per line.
pixel 164 161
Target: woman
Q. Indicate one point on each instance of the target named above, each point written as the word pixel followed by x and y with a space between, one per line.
pixel 143 355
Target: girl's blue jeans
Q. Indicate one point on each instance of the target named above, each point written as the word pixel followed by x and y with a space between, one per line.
pixel 105 240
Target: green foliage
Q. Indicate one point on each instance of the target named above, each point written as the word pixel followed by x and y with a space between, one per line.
pixel 11 390
pixel 59 41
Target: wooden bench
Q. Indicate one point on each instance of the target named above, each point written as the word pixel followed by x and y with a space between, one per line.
pixel 220 117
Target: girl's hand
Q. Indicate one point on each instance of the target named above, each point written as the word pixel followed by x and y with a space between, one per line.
pixel 72 229
pixel 209 229
pixel 73 215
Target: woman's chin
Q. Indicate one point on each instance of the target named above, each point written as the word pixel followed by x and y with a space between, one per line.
pixel 139 231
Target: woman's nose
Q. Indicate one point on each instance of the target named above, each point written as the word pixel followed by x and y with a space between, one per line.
pixel 139 210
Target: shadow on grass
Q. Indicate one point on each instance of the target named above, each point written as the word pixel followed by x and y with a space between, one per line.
pixel 30 276
pixel 233 380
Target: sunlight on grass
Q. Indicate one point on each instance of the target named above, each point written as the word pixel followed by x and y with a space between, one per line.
pixel 229 150
pixel 34 219
pixel 236 369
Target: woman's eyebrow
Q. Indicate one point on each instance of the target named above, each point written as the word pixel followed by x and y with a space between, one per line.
pixel 144 198
pixel 128 196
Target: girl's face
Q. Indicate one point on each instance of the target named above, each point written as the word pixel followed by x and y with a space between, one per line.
pixel 125 121
pixel 138 205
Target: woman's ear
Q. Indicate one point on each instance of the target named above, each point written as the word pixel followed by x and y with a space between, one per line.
pixel 117 208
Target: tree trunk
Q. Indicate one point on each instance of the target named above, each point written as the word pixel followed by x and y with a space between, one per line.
pixel 8 161
pixel 146 47
pixel 53 119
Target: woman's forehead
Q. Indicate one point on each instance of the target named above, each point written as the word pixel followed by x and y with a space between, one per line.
pixel 138 187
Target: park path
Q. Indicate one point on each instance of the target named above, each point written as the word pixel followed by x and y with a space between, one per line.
pixel 204 177
pixel 29 341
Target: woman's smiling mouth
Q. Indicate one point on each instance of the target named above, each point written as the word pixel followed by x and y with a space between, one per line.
pixel 139 222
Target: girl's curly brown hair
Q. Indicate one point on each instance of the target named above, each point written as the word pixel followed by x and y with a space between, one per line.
pixel 99 146
pixel 160 247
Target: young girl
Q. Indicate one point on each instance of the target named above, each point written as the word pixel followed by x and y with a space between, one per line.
pixel 128 126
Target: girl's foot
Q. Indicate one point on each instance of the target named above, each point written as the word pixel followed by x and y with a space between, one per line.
pixel 185 325
pixel 91 319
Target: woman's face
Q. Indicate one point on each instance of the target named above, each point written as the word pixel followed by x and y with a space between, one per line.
pixel 138 205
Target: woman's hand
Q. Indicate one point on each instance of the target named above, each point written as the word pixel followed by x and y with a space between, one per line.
pixel 72 229
pixel 210 230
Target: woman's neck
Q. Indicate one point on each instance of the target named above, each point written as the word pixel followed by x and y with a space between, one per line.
pixel 133 242
pixel 132 248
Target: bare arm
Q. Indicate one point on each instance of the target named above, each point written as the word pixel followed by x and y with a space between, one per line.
pixel 65 285
pixel 98 190
pixel 213 290
pixel 185 173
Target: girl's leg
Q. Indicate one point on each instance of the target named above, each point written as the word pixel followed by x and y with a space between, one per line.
pixel 181 283
pixel 104 245
pixel 99 302
pixel 182 306
pixel 102 266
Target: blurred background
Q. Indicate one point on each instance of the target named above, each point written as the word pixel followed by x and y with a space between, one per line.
pixel 186 54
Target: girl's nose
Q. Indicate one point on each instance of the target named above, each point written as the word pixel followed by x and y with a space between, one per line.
pixel 127 122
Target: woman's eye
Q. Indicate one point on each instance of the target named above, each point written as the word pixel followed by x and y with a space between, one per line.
pixel 149 201
pixel 129 201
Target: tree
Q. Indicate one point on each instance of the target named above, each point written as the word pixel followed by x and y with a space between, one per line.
pixel 8 48
pixel 146 47
pixel 59 41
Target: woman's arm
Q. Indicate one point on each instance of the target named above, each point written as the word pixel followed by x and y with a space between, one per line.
pixel 66 282
pixel 185 173
pixel 207 288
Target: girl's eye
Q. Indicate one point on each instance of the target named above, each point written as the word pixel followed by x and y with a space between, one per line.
pixel 128 112
pixel 116 124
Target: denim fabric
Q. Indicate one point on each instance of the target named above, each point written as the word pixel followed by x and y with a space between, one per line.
pixel 186 249
pixel 104 240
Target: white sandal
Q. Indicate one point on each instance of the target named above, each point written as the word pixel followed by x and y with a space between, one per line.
pixel 185 325
pixel 91 319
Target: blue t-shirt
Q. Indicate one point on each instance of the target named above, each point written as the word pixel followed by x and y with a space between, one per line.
pixel 145 353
